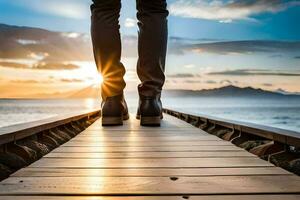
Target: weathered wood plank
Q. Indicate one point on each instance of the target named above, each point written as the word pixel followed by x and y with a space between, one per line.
pixel 152 132
pixel 143 134
pixel 169 123
pixel 152 163
pixel 145 144
pixel 145 149
pixel 154 172
pixel 151 185
pixel 202 197
pixel 213 154
pixel 134 160
pixel 145 139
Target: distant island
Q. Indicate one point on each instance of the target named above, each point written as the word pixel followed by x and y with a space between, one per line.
pixel 224 92
pixel 227 91
pixel 230 91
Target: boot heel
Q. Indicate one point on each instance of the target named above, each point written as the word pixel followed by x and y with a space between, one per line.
pixel 125 117
pixel 150 121
pixel 111 121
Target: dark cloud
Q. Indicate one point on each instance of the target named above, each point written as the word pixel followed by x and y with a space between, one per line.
pixel 297 57
pixel 245 47
pixel 192 81
pixel 276 56
pixel 182 75
pixel 54 45
pixel 250 72
pixel 61 47
pixel 274 48
pixel 13 65
pixel 211 82
pixel 270 5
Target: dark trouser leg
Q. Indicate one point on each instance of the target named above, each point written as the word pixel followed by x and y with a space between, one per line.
pixel 152 45
pixel 107 45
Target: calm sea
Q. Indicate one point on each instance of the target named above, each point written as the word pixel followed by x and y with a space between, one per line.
pixel 271 112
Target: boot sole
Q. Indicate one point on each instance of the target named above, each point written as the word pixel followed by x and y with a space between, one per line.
pixel 114 121
pixel 150 121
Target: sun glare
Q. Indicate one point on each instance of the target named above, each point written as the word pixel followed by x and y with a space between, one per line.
pixel 99 79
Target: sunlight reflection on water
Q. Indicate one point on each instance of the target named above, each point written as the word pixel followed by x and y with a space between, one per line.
pixel 271 112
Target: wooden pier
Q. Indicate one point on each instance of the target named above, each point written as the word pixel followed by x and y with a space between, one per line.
pixel 172 162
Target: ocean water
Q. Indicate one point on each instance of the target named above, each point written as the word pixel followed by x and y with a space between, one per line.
pixel 270 112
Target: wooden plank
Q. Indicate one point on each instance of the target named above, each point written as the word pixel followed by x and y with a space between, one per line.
pixel 150 132
pixel 291 138
pixel 139 128
pixel 213 154
pixel 151 185
pixel 134 160
pixel 19 131
pixel 145 139
pixel 133 128
pixel 151 163
pixel 154 172
pixel 143 134
pixel 145 149
pixel 202 197
pixel 169 123
pixel 145 144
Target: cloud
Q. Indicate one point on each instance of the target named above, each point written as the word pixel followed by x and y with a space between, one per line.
pixel 77 9
pixel 277 48
pixel 228 11
pixel 74 80
pixel 276 56
pixel 34 43
pixel 252 72
pixel 19 81
pixel 245 47
pixel 55 66
pixel 24 81
pixel 42 45
pixel 192 81
pixel 297 57
pixel 226 82
pixel 40 66
pixel 189 66
pixel 211 82
pixel 181 75
pixel 13 65
pixel 129 22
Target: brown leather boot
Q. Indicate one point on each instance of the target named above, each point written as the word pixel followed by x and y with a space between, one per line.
pixel 114 111
pixel 149 111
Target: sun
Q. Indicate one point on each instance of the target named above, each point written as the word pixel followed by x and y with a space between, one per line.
pixel 98 79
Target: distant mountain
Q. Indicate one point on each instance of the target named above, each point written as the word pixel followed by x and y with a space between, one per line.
pixel 229 91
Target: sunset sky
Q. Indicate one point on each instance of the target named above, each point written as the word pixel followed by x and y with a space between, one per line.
pixel 211 44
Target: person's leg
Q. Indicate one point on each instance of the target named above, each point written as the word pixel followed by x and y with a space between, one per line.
pixel 107 52
pixel 152 47
pixel 107 45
